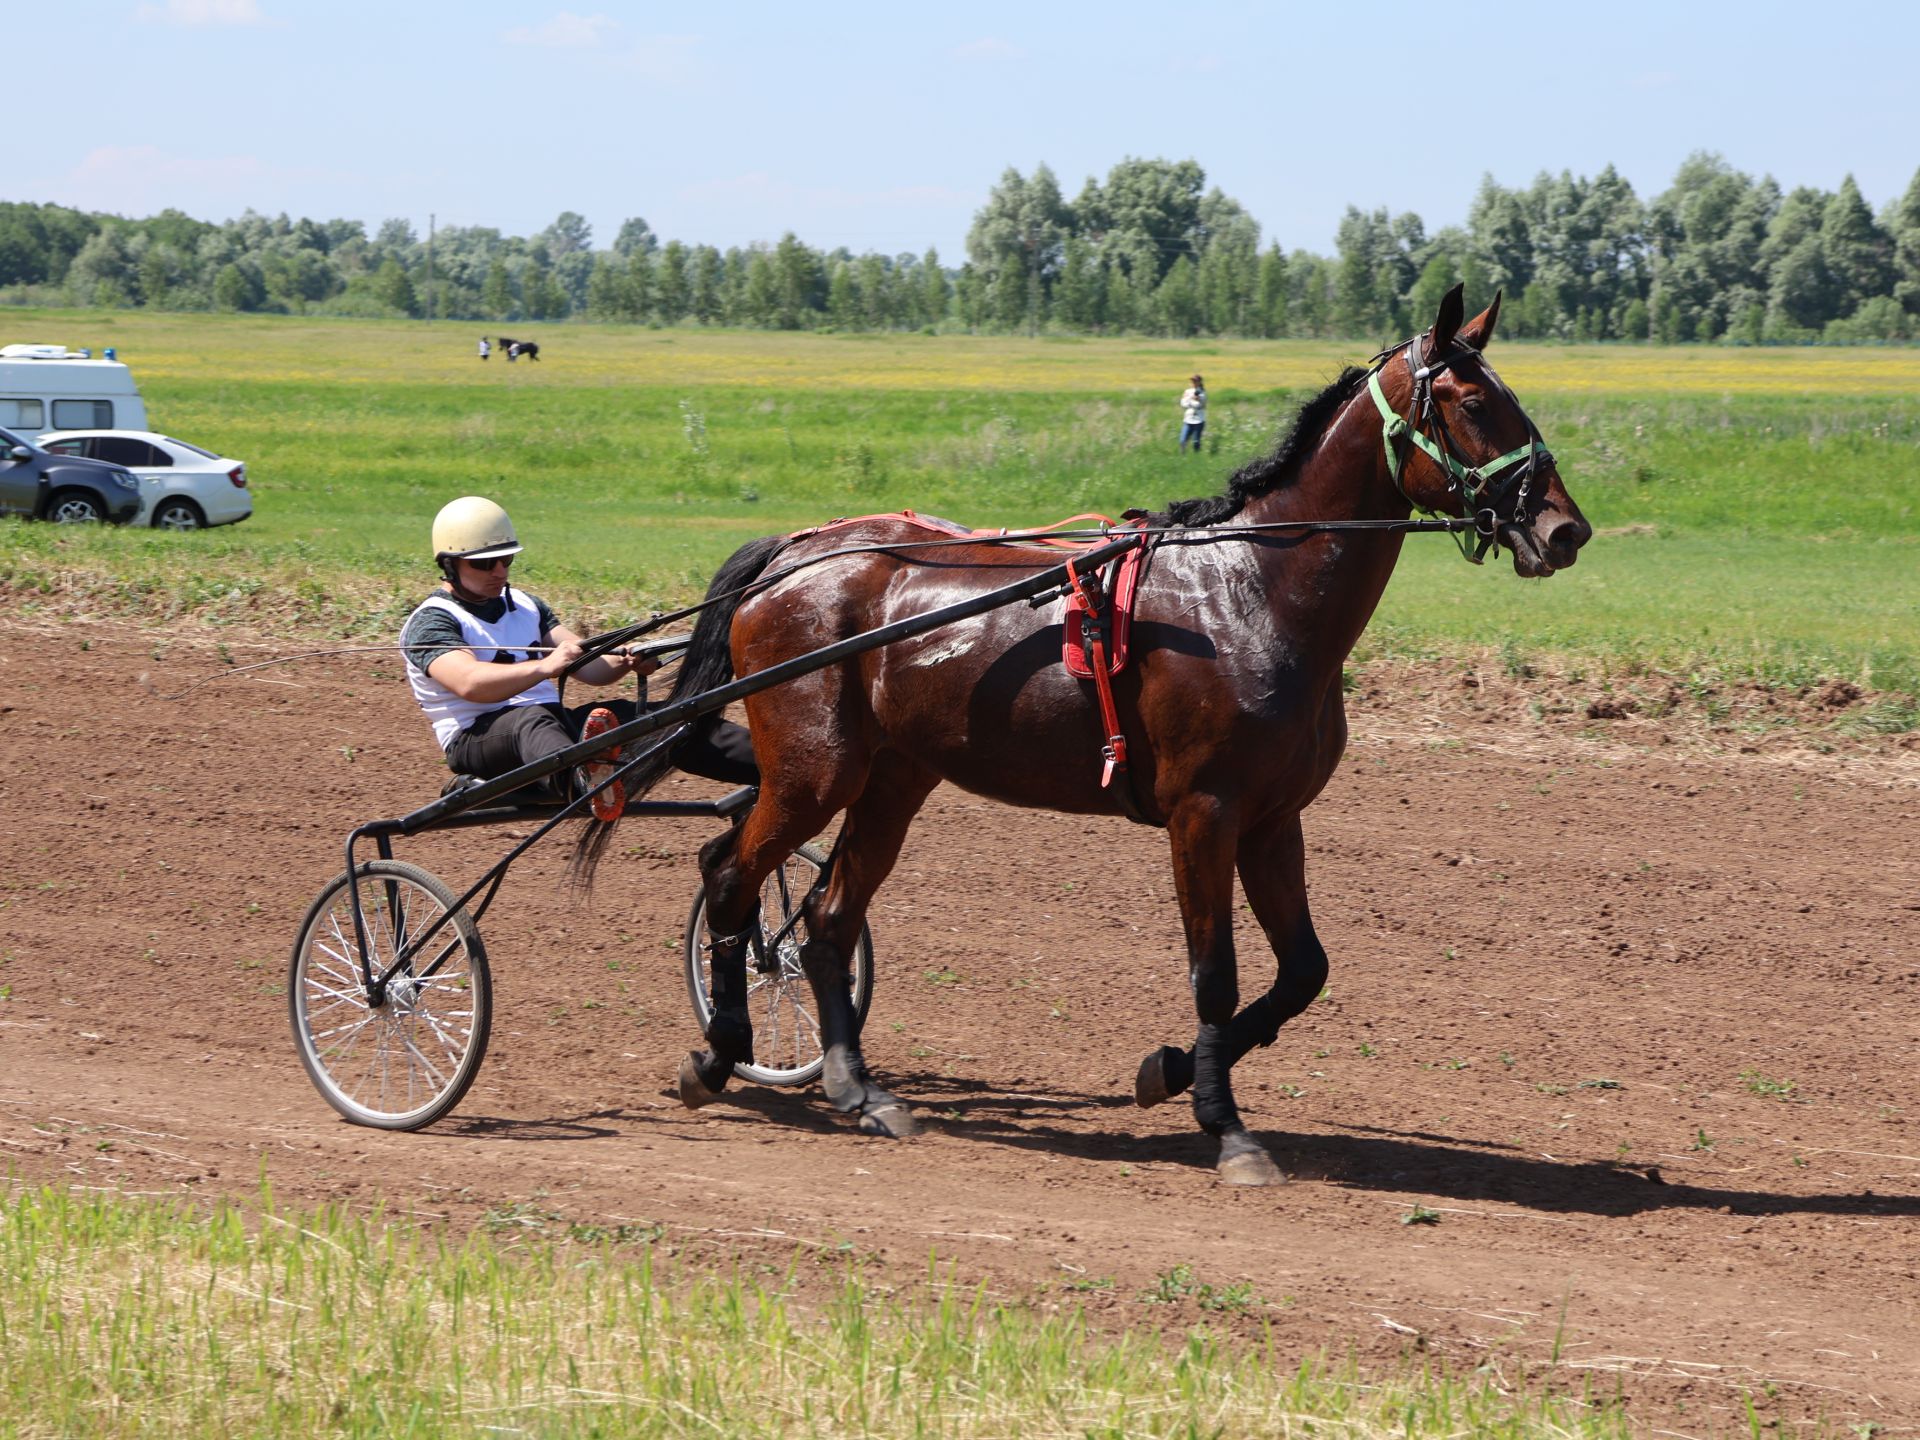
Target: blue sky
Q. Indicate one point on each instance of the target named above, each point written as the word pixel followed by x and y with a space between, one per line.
pixel 882 126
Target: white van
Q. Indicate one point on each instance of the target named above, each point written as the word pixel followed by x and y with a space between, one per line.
pixel 49 387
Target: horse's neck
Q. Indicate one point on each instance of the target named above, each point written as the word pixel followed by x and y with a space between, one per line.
pixel 1330 583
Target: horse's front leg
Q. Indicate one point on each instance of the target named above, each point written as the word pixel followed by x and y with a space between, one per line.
pixel 733 914
pixel 863 856
pixel 1273 869
pixel 1202 832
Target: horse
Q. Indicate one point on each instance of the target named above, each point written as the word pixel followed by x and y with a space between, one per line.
pixel 517 348
pixel 1232 705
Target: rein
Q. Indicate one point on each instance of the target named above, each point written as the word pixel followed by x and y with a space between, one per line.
pixel 1445 524
pixel 1472 485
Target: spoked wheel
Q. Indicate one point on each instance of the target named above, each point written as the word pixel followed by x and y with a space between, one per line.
pixel 405 1062
pixel 786 1030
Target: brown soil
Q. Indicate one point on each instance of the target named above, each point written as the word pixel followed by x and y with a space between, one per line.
pixel 1580 954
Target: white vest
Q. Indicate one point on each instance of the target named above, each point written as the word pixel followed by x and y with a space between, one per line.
pixel 516 629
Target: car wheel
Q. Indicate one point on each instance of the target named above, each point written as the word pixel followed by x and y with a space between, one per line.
pixel 75 507
pixel 177 515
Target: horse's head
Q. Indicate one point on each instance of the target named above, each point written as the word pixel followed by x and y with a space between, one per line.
pixel 1468 447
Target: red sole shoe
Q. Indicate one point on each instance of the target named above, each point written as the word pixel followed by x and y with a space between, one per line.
pixel 607 804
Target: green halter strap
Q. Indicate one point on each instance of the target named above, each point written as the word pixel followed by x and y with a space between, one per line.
pixel 1470 482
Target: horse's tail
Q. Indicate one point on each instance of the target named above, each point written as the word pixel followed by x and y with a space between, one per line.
pixel 707 665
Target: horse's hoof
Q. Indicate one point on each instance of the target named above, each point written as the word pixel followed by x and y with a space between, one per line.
pixel 1250 1167
pixel 1150 1084
pixel 694 1091
pixel 893 1120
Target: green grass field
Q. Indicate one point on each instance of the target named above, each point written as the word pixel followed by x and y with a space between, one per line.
pixel 122 1318
pixel 1756 508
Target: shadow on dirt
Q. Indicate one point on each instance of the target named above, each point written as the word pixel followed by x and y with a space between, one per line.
pixel 1431 1164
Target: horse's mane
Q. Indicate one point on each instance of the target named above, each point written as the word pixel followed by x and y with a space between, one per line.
pixel 1280 466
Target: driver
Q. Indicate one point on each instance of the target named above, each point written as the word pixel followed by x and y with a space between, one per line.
pixel 474 655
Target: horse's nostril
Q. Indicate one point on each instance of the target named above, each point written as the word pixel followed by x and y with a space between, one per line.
pixel 1567 537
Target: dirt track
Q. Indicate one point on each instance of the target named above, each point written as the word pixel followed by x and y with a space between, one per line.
pixel 1570 961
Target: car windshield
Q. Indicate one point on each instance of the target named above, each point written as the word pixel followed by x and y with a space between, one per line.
pixel 171 440
pixel 8 439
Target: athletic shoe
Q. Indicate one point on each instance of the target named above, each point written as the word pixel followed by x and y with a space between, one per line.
pixel 608 803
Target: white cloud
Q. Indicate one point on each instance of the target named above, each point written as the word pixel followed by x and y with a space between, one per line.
pixel 989 48
pixel 668 59
pixel 566 31
pixel 203 12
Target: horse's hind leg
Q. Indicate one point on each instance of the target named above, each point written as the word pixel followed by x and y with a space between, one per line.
pixel 1273 870
pixel 869 843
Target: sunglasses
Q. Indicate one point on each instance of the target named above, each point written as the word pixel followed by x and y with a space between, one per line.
pixel 498 562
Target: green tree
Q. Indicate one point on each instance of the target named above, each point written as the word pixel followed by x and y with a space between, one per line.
pixel 496 295
pixel 640 293
pixel 635 236
pixel 1439 276
pixel 705 292
pixel 1857 252
pixel 1271 306
pixel 1364 294
pixel 843 297
pixel 1077 293
pixel 1020 232
pixel 234 289
pixel 799 282
pixel 760 291
pixel 1903 225
pixel 935 294
pixel 607 289
pixel 570 234
pixel 1146 215
pixel 1177 301
pixel 393 288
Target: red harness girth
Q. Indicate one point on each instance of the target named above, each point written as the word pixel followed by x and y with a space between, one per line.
pixel 1095 621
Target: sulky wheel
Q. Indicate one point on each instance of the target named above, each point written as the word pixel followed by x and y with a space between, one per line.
pixel 405 1062
pixel 786 1031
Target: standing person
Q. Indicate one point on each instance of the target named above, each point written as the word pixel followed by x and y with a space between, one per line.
pixel 472 651
pixel 485 349
pixel 1193 414
pixel 513 351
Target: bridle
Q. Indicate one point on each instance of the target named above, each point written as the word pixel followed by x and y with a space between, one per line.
pixel 1481 490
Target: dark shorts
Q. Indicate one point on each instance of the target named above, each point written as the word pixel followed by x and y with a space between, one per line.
pixel 516 735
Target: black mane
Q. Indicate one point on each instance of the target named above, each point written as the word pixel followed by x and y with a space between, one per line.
pixel 1279 467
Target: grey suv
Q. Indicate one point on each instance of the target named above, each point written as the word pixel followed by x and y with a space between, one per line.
pixel 63 488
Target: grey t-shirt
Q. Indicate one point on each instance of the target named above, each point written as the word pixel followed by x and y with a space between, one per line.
pixel 432 632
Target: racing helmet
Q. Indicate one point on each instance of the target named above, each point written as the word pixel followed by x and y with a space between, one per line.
pixel 473 528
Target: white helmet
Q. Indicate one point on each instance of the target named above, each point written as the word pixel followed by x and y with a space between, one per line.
pixel 473 528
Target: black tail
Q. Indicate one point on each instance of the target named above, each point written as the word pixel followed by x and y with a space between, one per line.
pixel 707 665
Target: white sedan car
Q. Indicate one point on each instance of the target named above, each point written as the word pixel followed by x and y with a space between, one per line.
pixel 182 487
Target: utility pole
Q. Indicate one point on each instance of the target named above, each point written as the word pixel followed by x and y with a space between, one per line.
pixel 430 219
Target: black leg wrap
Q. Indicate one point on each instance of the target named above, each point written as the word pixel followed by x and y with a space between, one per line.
pixel 730 1030
pixel 1258 1024
pixel 1213 1103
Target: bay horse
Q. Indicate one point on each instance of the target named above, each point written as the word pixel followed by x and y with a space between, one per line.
pixel 1231 707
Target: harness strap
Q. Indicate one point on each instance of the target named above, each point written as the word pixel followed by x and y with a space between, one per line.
pixel 1093 634
pixel 1092 597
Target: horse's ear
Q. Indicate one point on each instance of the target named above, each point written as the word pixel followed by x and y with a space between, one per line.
pixel 1452 307
pixel 1479 330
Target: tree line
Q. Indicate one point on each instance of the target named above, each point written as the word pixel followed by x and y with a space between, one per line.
pixel 1152 249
